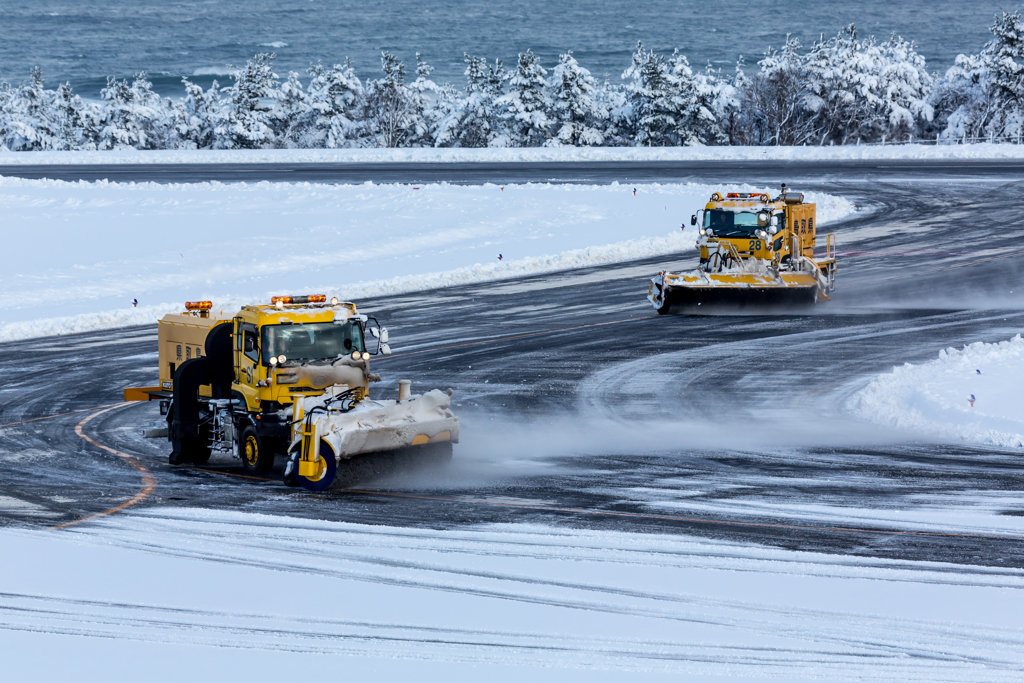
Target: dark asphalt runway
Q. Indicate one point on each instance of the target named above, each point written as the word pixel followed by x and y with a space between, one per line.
pixel 609 416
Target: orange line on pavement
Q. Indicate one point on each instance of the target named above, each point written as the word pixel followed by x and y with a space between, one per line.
pixel 50 417
pixel 148 480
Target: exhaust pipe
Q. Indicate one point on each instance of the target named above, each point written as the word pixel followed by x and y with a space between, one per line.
pixel 404 389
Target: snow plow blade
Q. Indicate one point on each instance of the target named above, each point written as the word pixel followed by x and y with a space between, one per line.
pixel 329 438
pixel 729 292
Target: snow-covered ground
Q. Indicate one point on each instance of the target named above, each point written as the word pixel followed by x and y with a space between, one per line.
pixel 520 154
pixel 172 594
pixel 83 251
pixel 975 394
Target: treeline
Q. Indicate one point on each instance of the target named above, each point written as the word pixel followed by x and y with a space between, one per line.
pixel 843 90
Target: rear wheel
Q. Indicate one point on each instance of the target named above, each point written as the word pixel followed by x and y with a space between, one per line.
pixel 257 457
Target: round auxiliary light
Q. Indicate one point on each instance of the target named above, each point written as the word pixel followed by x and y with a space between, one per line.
pixel 355 355
pixel 366 355
pixel 273 360
pixel 710 232
pixel 334 301
pixel 281 358
pixel 702 231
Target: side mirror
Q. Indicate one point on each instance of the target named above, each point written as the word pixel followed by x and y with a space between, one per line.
pixel 693 219
pixel 375 332
pixel 775 220
pixel 385 349
pixel 383 335
pixel 762 219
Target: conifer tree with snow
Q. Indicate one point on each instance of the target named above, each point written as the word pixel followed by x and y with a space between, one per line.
pixel 524 107
pixel 335 98
pixel 28 119
pixel 290 114
pixel 982 96
pixel 132 116
pixel 474 120
pixel 197 115
pixel 664 106
pixel 388 106
pixel 77 121
pixel 246 123
pixel 578 115
pixel 428 105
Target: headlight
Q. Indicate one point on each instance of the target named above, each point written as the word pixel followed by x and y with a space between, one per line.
pixel 702 231
pixel 355 355
pixel 710 233
pixel 366 355
pixel 281 358
pixel 273 360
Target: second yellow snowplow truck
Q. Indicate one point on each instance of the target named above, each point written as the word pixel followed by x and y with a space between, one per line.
pixel 289 378
pixel 755 251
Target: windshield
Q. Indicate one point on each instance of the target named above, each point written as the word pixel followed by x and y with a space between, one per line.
pixel 311 341
pixel 729 224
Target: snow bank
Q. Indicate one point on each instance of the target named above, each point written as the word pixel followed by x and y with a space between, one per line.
pixel 974 394
pixel 529 155
pixel 258 597
pixel 86 250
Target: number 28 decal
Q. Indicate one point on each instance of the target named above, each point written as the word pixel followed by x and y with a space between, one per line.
pixel 755 245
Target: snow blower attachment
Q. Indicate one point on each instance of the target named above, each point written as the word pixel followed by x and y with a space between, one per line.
pixel 291 378
pixel 754 252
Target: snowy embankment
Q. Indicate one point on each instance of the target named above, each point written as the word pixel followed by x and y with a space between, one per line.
pixel 82 252
pixel 243 596
pixel 974 394
pixel 520 154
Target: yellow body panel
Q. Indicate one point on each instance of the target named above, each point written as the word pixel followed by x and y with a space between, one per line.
pixel 182 337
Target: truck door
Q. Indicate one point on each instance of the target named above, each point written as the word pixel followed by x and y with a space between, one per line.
pixel 247 354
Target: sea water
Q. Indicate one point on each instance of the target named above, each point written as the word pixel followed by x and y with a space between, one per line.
pixel 84 41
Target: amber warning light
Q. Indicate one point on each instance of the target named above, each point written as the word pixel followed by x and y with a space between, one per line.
pixel 198 305
pixel 310 299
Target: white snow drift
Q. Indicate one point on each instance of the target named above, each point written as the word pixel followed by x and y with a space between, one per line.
pixel 519 154
pixel 83 251
pixel 975 394
pixel 220 595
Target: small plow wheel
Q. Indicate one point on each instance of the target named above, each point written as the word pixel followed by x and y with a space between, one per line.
pixel 327 470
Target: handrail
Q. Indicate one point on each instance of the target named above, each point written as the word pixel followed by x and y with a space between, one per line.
pixel 830 245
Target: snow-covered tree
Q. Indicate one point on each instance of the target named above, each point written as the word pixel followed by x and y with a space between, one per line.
pixel 665 107
pixel 133 116
pixel 335 99
pixel 525 106
pixel 579 116
pixel 473 120
pixel 197 115
pixel 29 118
pixel 774 100
pixel 983 95
pixel 429 104
pixel 246 123
pixel 290 114
pixel 388 107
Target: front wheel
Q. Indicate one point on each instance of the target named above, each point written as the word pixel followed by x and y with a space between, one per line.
pixel 257 457
pixel 327 470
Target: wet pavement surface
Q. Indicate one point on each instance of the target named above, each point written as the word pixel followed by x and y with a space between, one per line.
pixel 582 407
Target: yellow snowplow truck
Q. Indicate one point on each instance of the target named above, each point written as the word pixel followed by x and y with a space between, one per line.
pixel 289 378
pixel 755 251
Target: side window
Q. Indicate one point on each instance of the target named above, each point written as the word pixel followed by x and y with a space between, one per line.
pixel 250 345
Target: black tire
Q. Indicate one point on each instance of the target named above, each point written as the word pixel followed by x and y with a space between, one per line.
pixel 257 456
pixel 328 470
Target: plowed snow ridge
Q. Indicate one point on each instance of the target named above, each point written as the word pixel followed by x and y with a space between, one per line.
pixel 86 250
